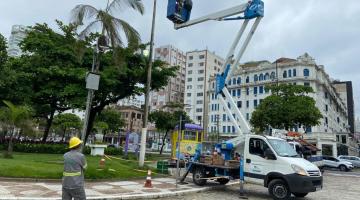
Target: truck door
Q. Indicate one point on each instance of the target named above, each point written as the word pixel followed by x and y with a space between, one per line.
pixel 256 165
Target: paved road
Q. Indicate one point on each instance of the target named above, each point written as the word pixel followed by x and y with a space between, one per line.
pixel 337 185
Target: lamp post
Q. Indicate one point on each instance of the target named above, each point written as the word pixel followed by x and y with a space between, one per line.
pixel 147 93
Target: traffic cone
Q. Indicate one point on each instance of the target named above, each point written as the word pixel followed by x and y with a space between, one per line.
pixel 148 180
pixel 102 163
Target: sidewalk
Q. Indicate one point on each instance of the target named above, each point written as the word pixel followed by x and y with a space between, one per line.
pixel 162 187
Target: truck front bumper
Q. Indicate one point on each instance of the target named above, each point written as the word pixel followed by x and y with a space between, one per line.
pixel 304 184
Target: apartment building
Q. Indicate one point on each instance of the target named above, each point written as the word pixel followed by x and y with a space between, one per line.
pixel 345 90
pixel 174 91
pixel 247 86
pixel 18 33
pixel 201 65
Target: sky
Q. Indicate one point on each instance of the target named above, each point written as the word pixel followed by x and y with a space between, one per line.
pixel 329 30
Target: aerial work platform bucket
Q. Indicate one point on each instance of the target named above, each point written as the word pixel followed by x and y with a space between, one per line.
pixel 178 11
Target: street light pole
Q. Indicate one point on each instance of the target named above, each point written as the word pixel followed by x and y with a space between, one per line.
pixel 147 93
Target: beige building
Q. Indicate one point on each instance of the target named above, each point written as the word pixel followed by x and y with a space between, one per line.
pixel 200 66
pixel 133 117
pixel 174 91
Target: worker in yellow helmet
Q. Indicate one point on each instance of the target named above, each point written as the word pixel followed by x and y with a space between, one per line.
pixel 73 175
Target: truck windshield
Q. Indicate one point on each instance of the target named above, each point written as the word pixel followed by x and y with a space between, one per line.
pixel 282 148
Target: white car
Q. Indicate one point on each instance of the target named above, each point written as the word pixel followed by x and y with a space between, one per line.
pixel 353 159
pixel 332 162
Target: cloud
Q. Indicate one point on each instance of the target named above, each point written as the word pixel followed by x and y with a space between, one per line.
pixel 328 30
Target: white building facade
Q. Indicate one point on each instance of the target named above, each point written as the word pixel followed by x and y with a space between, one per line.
pixel 201 66
pixel 18 33
pixel 247 86
pixel 174 91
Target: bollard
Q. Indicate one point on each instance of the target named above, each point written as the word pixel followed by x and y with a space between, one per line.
pixel 148 180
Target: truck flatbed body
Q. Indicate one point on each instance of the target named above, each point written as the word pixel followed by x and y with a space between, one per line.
pixel 216 166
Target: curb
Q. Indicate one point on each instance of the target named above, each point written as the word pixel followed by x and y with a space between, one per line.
pixel 135 196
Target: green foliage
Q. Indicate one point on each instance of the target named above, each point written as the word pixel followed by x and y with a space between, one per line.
pixel 287 107
pixel 66 121
pixel 112 118
pixel 3 52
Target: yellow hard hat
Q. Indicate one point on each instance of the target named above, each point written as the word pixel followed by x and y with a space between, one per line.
pixel 74 142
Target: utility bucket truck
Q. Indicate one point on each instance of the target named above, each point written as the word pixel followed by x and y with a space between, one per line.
pixel 258 159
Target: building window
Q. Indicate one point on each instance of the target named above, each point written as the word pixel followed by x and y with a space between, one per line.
pixel 261 89
pixel 338 120
pixel 212 96
pixel 234 93
pixel 247 79
pixel 200 94
pixel 326 108
pixel 189 79
pixel 199 118
pixel 284 74
pixel 198 109
pixel 191 57
pixel 189 87
pixel 255 103
pixel 228 129
pixel 229 82
pixel 224 129
pixel 326 95
pixel 201 56
pixel 190 72
pixel 289 72
pixel 261 77
pixel 255 90
pixel 247 91
pixel 188 94
pixel 233 129
pixel 272 75
pixel 201 79
pixel 308 129
pixel 307 84
pixel 247 116
pixel 201 64
pixel 256 77
pixel 224 117
pixel 234 81
pixel 294 72
pixel 238 92
pixel 266 77
pixel 239 104
pixel 199 86
pixel 326 120
pixel 199 102
pixel 266 89
pixel 201 71
pixel 238 81
pixel 190 64
pixel 306 72
pixel 247 104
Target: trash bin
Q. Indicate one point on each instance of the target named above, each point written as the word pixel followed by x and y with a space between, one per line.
pixel 162 166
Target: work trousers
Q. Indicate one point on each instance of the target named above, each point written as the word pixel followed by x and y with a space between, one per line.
pixel 76 194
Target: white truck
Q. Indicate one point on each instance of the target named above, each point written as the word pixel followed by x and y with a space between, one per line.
pixel 265 160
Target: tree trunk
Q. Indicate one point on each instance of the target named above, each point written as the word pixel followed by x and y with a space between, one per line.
pixel 10 145
pixel 63 137
pixel 90 124
pixel 48 125
pixel 163 142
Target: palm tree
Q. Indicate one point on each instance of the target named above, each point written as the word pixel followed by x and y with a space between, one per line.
pixel 14 119
pixel 110 26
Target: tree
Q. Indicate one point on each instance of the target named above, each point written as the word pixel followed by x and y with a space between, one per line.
pixel 110 26
pixel 112 118
pixel 66 121
pixel 288 106
pixel 3 52
pixel 14 119
pixel 166 121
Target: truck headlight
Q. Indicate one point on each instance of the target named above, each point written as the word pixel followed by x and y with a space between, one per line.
pixel 299 170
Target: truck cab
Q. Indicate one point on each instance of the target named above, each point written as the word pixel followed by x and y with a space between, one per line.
pixel 273 163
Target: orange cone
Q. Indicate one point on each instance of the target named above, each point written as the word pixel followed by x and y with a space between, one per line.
pixel 102 163
pixel 148 180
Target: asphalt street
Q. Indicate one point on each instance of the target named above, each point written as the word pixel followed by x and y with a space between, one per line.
pixel 337 185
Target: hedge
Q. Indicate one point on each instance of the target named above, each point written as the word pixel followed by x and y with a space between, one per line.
pixel 54 149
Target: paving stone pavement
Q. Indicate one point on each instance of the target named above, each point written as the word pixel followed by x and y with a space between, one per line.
pixel 97 190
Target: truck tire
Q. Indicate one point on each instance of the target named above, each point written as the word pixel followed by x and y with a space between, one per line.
pixel 279 190
pixel 300 195
pixel 222 181
pixel 197 175
pixel 343 168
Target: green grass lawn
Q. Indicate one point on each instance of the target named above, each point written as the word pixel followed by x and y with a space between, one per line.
pixel 50 166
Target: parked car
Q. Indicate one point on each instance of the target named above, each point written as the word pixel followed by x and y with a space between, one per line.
pixel 332 162
pixel 318 161
pixel 353 159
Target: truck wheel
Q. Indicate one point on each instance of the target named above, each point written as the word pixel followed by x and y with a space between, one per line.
pixel 279 190
pixel 343 168
pixel 300 194
pixel 222 181
pixel 197 175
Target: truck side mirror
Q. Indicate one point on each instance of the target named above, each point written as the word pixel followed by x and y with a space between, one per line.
pixel 269 154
